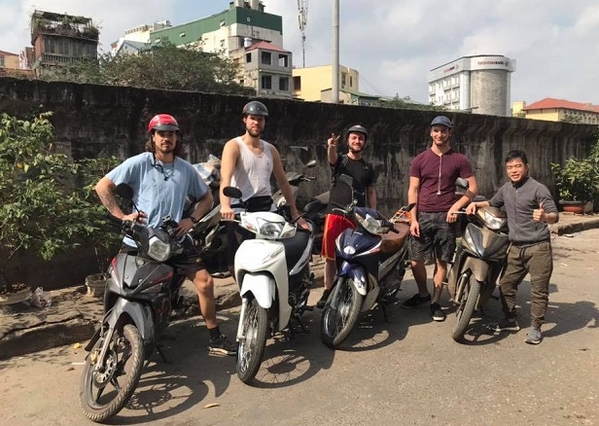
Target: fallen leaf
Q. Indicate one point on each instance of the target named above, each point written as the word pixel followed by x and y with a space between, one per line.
pixel 212 405
pixel 77 346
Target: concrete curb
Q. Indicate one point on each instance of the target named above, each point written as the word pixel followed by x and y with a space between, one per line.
pixel 574 226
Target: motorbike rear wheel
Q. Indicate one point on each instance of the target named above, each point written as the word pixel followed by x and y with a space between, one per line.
pixel 337 323
pixel 124 360
pixel 251 349
pixel 467 302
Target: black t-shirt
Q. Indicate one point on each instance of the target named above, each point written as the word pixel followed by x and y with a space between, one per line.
pixel 362 174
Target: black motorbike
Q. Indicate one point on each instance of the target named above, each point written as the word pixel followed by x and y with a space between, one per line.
pixel 140 294
pixel 479 260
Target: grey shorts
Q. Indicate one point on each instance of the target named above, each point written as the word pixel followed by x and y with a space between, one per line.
pixel 437 237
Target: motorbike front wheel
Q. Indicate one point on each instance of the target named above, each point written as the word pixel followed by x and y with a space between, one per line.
pixel 340 314
pixel 106 390
pixel 467 302
pixel 251 348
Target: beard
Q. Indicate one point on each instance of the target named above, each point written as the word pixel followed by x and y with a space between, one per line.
pixel 255 133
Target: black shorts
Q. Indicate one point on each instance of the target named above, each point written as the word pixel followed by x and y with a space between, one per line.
pixel 186 263
pixel 437 236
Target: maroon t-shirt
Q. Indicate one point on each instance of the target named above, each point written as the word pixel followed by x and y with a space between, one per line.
pixel 437 176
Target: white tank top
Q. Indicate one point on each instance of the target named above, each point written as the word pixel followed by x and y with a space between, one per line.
pixel 252 172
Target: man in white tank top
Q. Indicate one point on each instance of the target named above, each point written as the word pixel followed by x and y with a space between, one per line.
pixel 247 163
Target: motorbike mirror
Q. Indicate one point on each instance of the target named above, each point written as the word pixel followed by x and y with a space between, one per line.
pixel 462 183
pixel 232 192
pixel 310 163
pixel 346 180
pixel 124 191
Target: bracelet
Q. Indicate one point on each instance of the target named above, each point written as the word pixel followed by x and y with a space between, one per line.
pixel 194 220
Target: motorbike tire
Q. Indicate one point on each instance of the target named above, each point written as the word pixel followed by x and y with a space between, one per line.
pixel 336 324
pixel 96 405
pixel 251 350
pixel 466 305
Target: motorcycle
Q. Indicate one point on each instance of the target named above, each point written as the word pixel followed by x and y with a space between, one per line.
pixel 479 260
pixel 273 273
pixel 140 293
pixel 371 263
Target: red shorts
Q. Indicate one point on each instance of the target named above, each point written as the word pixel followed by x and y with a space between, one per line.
pixel 334 225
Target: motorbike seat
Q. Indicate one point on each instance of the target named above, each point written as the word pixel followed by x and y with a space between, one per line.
pixel 392 242
pixel 294 247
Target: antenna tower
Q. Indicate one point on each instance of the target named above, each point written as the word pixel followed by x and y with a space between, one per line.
pixel 302 8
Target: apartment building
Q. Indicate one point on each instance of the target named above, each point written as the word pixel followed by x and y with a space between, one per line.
pixel 551 109
pixel 59 39
pixel 480 84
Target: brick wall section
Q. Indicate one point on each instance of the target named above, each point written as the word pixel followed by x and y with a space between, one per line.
pixel 106 120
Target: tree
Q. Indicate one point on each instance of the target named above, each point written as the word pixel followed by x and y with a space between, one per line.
pixel 47 204
pixel 407 103
pixel 165 66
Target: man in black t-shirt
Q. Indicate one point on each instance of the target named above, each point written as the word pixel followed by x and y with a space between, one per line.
pixel 353 165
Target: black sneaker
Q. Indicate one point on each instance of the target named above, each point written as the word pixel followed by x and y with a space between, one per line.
pixel 505 325
pixel 437 312
pixel 323 300
pixel 416 300
pixel 222 346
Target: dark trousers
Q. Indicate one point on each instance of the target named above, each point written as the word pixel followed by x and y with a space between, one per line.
pixel 537 260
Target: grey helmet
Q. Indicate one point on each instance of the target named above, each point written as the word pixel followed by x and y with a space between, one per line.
pixel 356 128
pixel 255 108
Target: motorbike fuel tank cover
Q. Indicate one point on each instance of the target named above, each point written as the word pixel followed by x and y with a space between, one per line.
pixel 349 250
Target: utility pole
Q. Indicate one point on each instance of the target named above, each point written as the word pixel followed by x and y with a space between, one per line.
pixel 335 76
pixel 302 8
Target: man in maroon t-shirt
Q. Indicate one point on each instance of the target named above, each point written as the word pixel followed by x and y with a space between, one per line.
pixel 432 187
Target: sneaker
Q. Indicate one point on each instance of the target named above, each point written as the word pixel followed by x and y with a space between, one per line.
pixel 222 346
pixel 437 312
pixel 505 325
pixel 323 300
pixel 416 300
pixel 534 336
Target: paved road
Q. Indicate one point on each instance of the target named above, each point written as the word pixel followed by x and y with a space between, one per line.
pixel 406 372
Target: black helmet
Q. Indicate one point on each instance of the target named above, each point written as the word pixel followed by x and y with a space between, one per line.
pixel 255 108
pixel 356 128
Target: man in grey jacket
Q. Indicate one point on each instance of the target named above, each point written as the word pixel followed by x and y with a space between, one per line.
pixel 529 208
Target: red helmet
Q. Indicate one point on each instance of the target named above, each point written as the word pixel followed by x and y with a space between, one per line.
pixel 163 122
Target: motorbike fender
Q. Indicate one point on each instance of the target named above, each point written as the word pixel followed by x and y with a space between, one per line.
pixel 358 276
pixel 261 286
pixel 479 268
pixel 140 314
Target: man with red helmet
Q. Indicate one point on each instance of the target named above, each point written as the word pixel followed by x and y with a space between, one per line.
pixel 162 181
pixel 247 163
pixel 353 165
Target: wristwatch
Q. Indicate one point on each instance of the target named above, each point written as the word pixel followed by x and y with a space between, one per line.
pixel 194 220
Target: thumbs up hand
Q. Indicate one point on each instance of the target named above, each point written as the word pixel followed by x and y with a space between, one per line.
pixel 539 214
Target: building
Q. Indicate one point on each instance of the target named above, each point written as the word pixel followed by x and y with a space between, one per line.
pixel 59 39
pixel 136 39
pixel 247 35
pixel 550 109
pixel 315 83
pixel 479 84
pixel 9 60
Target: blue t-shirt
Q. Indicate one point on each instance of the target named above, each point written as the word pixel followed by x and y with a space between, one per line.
pixel 159 189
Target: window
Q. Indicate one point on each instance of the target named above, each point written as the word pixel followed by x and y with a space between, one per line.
pixel 284 84
pixel 351 81
pixel 266 82
pixel 343 79
pixel 248 57
pixel 266 58
pixel 297 83
pixel 2 61
pixel 283 61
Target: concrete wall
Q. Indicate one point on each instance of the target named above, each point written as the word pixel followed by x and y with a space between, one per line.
pixel 98 120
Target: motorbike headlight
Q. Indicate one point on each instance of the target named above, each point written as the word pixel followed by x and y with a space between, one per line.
pixel 158 249
pixel 491 221
pixel 268 225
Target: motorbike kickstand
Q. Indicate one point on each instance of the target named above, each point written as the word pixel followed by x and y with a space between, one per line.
pixel 161 353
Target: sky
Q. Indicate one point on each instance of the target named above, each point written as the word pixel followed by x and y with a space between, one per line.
pixel 393 44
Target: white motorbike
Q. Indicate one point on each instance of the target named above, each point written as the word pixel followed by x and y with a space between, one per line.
pixel 273 273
